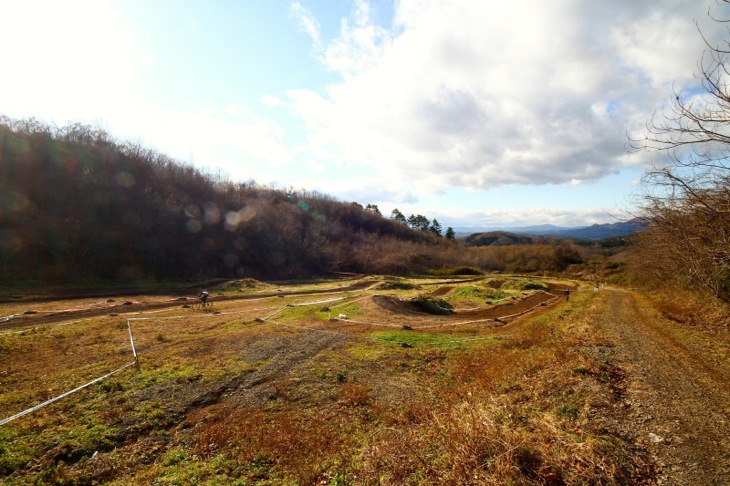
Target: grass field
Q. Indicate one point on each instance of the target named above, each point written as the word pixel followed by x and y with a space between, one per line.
pixel 277 388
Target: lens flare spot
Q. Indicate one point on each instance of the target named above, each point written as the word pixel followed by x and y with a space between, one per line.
pixel 192 211
pixel 194 226
pixel 211 213
pixel 124 179
pixel 234 218
pixel 319 217
pixel 247 214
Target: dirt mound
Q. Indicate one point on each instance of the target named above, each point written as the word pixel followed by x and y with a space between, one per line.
pixel 512 308
pixel 240 285
pixel 361 285
pixel 441 291
pixel 397 306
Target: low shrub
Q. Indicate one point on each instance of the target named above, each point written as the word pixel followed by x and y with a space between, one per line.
pixel 526 285
pixel 432 305
pixel 477 293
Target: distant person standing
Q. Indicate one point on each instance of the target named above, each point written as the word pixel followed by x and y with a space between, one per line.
pixel 567 295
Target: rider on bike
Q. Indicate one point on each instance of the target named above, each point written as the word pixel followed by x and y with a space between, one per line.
pixel 203 296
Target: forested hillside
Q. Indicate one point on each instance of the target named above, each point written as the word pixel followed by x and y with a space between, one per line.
pixel 502 238
pixel 77 204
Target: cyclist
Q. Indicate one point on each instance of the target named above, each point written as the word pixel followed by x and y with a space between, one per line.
pixel 203 296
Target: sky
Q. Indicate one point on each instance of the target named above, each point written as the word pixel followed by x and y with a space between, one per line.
pixel 479 113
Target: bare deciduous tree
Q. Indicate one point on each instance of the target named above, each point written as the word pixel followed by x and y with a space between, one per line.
pixel 688 200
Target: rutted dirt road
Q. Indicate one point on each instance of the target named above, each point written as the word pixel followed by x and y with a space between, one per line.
pixel 676 404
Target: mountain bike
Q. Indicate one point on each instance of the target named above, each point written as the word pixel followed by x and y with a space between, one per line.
pixel 200 305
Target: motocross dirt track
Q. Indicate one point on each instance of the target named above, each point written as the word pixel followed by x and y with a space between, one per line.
pixel 121 306
pixel 675 400
pixel 495 312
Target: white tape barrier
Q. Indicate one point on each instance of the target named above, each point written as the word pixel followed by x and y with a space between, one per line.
pixel 11 316
pixel 48 402
pixel 133 363
pixel 317 302
pixel 131 340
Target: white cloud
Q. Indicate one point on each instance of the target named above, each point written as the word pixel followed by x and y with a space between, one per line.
pixel 478 94
pixel 272 101
pixel 307 21
pixel 360 45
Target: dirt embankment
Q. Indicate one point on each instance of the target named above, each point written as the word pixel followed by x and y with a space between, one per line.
pixel 512 308
pixel 676 402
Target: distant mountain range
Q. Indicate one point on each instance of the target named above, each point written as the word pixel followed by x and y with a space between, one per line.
pixel 593 232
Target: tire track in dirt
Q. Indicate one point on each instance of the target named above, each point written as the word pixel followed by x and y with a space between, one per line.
pixel 678 397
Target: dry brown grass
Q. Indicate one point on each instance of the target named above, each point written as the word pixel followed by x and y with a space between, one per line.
pixel 518 415
pixel 226 399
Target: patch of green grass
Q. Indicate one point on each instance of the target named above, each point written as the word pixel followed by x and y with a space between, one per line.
pixel 396 286
pixel 477 293
pixel 149 375
pixel 175 456
pixel 67 442
pixel 15 452
pixel 426 339
pixel 569 413
pixel 315 311
pixel 351 310
pixel 366 351
pixel 4 344
pixel 523 284
pixel 432 305
pixel 179 466
pixel 302 313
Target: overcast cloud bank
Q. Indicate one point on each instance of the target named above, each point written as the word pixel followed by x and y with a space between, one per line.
pixel 482 94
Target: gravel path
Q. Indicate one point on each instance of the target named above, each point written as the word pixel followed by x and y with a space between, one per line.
pixel 677 400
